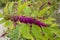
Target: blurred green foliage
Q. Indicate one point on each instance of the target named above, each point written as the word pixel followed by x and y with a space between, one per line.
pixel 4 2
pixel 36 9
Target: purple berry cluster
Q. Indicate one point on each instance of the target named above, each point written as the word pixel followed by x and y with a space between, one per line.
pixel 28 20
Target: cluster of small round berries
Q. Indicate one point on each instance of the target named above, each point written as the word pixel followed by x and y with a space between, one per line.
pixel 27 20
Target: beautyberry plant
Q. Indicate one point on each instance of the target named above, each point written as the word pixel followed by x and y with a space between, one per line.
pixel 30 20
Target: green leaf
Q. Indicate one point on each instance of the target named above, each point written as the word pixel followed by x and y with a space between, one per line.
pixel 27 11
pixel 48 33
pixel 49 20
pixel 25 31
pixel 54 25
pixel 36 32
pixel 58 38
pixel 43 11
pixel 8 24
pixel 10 7
pixel 55 30
pixel 6 9
pixel 1 15
pixel 34 13
pixel 19 2
pixel 2 21
pixel 15 33
pixel 21 7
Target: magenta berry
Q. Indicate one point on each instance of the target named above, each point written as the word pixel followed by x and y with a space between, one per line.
pixel 16 18
pixel 22 19
pixel 40 23
pixel 49 3
pixel 26 19
pixel 29 20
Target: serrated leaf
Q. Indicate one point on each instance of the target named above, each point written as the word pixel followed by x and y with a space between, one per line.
pixel 34 13
pixel 10 7
pixel 54 25
pixel 48 33
pixel 8 24
pixel 15 33
pixel 25 31
pixel 21 7
pixel 55 30
pixel 27 11
pixel 6 9
pixel 43 11
pixel 49 20
pixel 36 32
